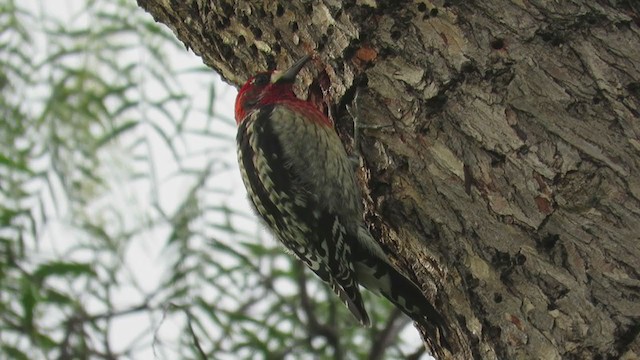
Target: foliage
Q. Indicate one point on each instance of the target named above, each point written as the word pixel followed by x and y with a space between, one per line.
pixel 120 233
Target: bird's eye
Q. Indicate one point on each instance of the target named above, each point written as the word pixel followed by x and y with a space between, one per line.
pixel 261 80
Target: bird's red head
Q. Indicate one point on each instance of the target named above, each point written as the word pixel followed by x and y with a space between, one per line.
pixel 267 88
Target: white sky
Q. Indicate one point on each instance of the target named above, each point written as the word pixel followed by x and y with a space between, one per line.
pixel 145 260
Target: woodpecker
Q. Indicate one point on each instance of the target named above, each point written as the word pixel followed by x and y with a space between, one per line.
pixel 302 183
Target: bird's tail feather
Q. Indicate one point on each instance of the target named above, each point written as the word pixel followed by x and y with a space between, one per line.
pixel 353 301
pixel 382 278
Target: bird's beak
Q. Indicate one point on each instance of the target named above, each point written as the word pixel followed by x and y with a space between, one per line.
pixel 289 76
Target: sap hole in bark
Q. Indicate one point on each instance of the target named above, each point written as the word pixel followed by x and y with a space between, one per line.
pixel 386 51
pixel 241 41
pixel 261 13
pixel 308 8
pixel 468 67
pixel 501 259
pixel 504 275
pixel 634 88
pixel 351 49
pixel 493 332
pixel 359 82
pixel 362 80
pixel 436 103
pixel 244 20
pixel 433 12
pixel 468 178
pixel 277 48
pixel 551 37
pixel 278 35
pixel 222 23
pixel 556 40
pixel 330 30
pixel 395 35
pixel 254 50
pixel 317 92
pixel 497 298
pixel 626 337
pixel 523 150
pixel 227 10
pixel 226 51
pixel 472 282
pixel 549 241
pixel 519 259
pixel 591 18
pixel 279 10
pixel 322 43
pixel 422 7
pixel 497 44
pixel 271 60
pixel 596 100
pixel 625 24
pixel 256 32
pixel 496 158
pixel 294 26
pixel 348 52
pixel 546 36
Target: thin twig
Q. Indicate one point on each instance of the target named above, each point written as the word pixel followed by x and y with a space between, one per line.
pixel 196 341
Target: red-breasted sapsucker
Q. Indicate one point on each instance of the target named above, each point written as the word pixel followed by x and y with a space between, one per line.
pixel 302 183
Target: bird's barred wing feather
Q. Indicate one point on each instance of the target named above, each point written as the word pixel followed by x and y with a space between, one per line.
pixel 291 205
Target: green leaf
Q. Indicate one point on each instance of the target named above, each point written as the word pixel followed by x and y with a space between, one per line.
pixel 13 353
pixel 116 133
pixel 44 341
pixel 21 165
pixel 60 268
pixel 28 301
pixel 56 297
pixel 6 216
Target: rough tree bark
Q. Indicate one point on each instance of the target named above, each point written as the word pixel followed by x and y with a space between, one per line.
pixel 505 170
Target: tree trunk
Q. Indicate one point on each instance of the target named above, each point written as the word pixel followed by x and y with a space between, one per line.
pixel 501 148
